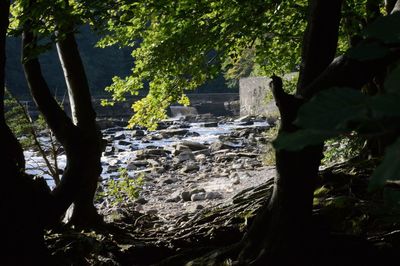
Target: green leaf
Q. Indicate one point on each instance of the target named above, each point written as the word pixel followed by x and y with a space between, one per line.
pixel 392 82
pixel 333 109
pixel 386 29
pixel 368 51
pixel 302 138
pixel 388 169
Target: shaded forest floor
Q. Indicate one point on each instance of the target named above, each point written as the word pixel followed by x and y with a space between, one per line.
pixel 359 225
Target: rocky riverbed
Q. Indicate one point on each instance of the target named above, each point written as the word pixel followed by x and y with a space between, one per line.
pixel 187 165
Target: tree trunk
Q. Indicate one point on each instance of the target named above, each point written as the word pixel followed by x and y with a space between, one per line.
pixel 280 233
pixel 82 142
pixel 22 198
pixel 84 117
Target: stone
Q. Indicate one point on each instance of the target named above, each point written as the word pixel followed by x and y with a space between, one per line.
pixel 219 145
pixel 173 199
pixel 137 133
pixel 168 133
pixel 184 156
pixel 190 167
pixel 198 196
pixel 213 195
pixel 194 146
pixel 124 143
pixel 210 124
pixel 141 201
pixel 206 152
pixel 119 136
pixel 170 181
pixel 199 207
pixel 185 195
pixel 201 158
pixel 179 148
pixel 150 153
pixel 236 181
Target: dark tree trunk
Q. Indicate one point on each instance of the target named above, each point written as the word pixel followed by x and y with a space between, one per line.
pixel 280 233
pixel 22 199
pixel 84 117
pixel 282 228
pixel 11 148
pixel 82 142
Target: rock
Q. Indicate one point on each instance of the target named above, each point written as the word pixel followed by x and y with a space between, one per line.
pixel 194 146
pixel 170 181
pixel 224 157
pixel 124 143
pixel 219 145
pixel 138 163
pixel 137 133
pixel 153 162
pixel 210 124
pixel 206 152
pixel 201 158
pixel 180 148
pixel 237 166
pixel 245 123
pixel 184 156
pixel 112 130
pixel 236 181
pixel 198 196
pixel 173 199
pixel 158 170
pixel 168 133
pixel 197 190
pixel 152 212
pixel 109 151
pixel 244 118
pixel 213 195
pixel 150 153
pixel 131 167
pixel 141 201
pixel 119 136
pixel 185 195
pixel 190 167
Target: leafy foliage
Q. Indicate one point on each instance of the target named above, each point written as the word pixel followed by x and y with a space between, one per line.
pixel 122 189
pixel 340 111
pixel 27 131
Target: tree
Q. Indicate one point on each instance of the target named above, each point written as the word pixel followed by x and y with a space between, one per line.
pixel 80 136
pixel 181 44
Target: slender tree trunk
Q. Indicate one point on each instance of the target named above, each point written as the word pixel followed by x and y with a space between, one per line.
pixel 84 117
pixel 82 141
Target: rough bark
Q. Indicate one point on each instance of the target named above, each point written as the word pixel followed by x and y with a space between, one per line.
pixel 282 227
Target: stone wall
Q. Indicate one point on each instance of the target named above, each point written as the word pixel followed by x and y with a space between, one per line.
pixel 253 93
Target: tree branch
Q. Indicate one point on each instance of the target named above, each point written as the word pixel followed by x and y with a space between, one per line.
pixel 320 40
pixel 56 118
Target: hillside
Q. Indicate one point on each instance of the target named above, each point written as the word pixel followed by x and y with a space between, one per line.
pixel 101 65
